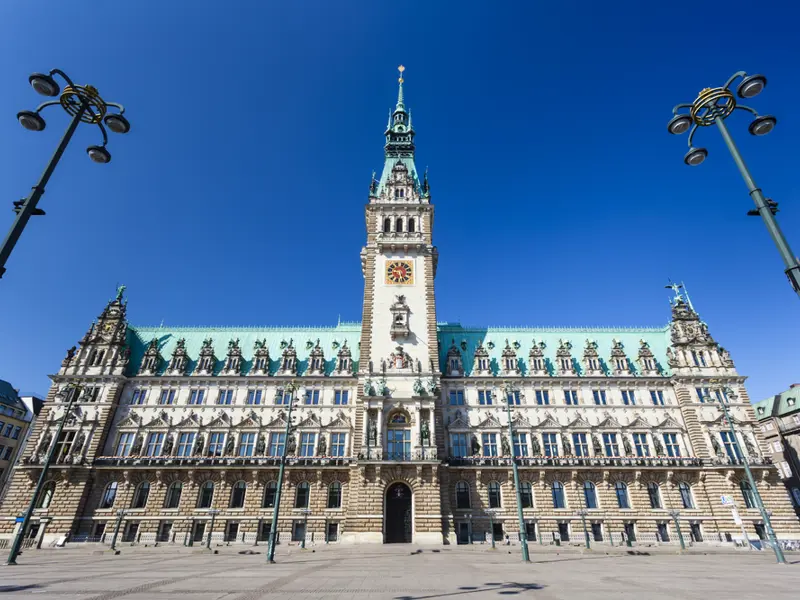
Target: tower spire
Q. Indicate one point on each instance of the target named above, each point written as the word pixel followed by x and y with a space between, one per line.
pixel 400 104
pixel 399 147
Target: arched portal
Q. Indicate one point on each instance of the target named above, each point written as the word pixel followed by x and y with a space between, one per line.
pixel 397 514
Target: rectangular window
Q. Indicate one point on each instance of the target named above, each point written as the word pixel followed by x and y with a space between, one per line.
pixel 642 447
pixel 628 398
pixel 777 447
pixel 513 397
pixel 610 443
pixel 196 397
pixel 254 397
pixel 571 397
pixel 340 397
pixel 307 444
pixel 580 447
pixel 216 444
pixel 731 447
pixel 483 364
pixel 489 444
pixel 282 397
pixel 456 397
pixel 542 397
pixel 702 394
pixel 312 397
pixel 2 424
pixel 9 429
pixel 398 444
pixel 550 443
pixel 247 443
pixel 7 455
pixel 338 441
pixel 458 445
pixel 599 396
pixel 185 444
pixel 225 397
pixel 139 396
pixel 657 396
pixel 520 444
pixel 15 435
pixel 155 442
pixel 167 397
pixel 124 444
pixel 276 444
pixel 484 397
pixel 671 444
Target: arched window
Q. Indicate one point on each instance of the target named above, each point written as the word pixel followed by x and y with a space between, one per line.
pixel 173 497
pixel 269 495
pixel 237 494
pixel 398 418
pixel 46 496
pixel 335 495
pixel 462 495
pixel 206 495
pixel 412 226
pixel 109 494
pixel 654 493
pixel 558 495
pixel 301 495
pixel 387 225
pixel 398 224
pixel 590 494
pixel 494 495
pixel 140 495
pixel 749 496
pixel 622 495
pixel 686 495
pixel 526 494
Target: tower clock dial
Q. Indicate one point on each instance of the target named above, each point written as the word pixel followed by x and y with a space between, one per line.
pixel 400 272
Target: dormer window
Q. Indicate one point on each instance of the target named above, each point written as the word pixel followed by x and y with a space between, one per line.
pixel 538 364
pixel 288 363
pixel 699 359
pixel 399 193
pixel 593 364
pixel 316 363
pixel 483 364
pixel 344 364
pixel 566 364
pixel 649 364
pixel 205 363
pixel 261 363
pixel 510 364
pixel 620 364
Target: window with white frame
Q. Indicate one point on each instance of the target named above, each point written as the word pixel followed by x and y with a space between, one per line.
pixel 340 397
pixel 513 397
pixel 307 444
pixel 484 397
pixel 628 398
pixel 216 443
pixel 139 396
pixel 777 446
pixel 277 441
pixel 458 445
pixel 641 445
pixel 283 397
pixel 520 444
pixel 657 396
pixel 599 397
pixel 197 396
pixel 671 445
pixel 338 444
pixel 610 444
pixel 579 445
pixel 124 444
pixel 550 444
pixel 571 397
pixel 311 397
pixel 155 442
pixel 225 396
pixel 254 397
pixel 542 397
pixel 247 443
pixel 185 443
pixel 456 397
pixel 489 444
pixel 167 397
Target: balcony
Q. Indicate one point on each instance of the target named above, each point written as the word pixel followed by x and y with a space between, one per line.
pixel 381 455
pixel 573 461
pixel 221 461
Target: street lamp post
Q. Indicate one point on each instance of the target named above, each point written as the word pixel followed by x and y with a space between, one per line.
pixel 305 513
pixel 73 392
pixel 213 512
pixel 583 512
pixel 759 503
pixel 675 514
pixel 712 107
pixel 83 104
pixel 291 388
pixel 120 515
pixel 469 526
pixel 523 535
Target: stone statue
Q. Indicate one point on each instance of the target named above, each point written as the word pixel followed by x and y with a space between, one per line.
pixel 566 445
pixel 476 447
pixel 46 439
pixel 717 448
pixel 598 449
pixel 322 446
pixel 751 450
pixel 659 448
pixel 626 444
pixel 167 451
pixel 505 446
pixel 260 445
pixel 426 433
pixel 291 445
pixel 70 354
pixel 419 389
pixel 229 446
pixel 136 448
pixel 372 432
pixel 536 449
pixel 77 446
pixel 120 292
pixel 198 446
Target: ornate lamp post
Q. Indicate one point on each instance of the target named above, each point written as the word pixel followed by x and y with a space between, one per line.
pixel 523 535
pixel 583 512
pixel 676 514
pixel 712 107
pixel 213 512
pixel 83 104
pixel 491 512
pixel 292 389
pixel 305 512
pixel 759 503
pixel 120 515
pixel 61 395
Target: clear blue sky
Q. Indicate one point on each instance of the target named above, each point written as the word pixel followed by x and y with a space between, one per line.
pixel 238 197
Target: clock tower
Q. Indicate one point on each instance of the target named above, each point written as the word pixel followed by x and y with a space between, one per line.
pixel 399 361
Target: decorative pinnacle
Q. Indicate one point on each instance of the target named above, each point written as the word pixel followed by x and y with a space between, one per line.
pixel 400 80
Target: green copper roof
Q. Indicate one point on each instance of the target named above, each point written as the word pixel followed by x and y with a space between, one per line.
pixel 330 340
pixel 780 405
pixel 521 340
pixel 399 141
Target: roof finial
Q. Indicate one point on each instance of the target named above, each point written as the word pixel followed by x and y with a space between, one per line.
pixel 400 104
pixel 686 294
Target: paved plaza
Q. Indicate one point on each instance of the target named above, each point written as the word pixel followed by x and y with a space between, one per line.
pixel 401 572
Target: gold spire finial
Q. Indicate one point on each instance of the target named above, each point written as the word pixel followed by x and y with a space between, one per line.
pixel 401 68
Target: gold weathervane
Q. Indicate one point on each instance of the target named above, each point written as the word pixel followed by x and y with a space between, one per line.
pixel 401 68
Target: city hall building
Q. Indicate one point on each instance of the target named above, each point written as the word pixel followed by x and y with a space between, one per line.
pixel 401 429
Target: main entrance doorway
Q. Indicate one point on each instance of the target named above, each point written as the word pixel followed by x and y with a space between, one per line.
pixel 397 515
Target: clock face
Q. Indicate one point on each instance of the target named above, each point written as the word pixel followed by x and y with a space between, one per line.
pixel 400 272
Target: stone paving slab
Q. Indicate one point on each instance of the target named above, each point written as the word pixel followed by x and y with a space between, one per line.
pixel 396 573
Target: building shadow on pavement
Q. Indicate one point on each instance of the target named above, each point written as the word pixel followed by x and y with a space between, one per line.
pixel 503 589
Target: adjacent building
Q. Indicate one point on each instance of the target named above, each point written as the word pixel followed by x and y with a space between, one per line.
pixel 17 415
pixel 402 425
pixel 779 418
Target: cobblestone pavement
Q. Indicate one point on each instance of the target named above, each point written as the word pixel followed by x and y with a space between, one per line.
pixel 395 572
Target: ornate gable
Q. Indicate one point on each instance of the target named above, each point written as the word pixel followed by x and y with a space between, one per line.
pixel 508 358
pixel 482 365
pixel 344 360
pixel 161 420
pixel 520 421
pixel 206 361
pixel 311 420
pixel 579 423
pixel 340 421
pixel 250 421
pixel 459 423
pixel 151 362
pixel 549 423
pixel 454 366
pixel 279 422
pixel 619 361
pixel 192 420
pixel 260 358
pixel 316 360
pixel 609 421
pixel 490 422
pixel 564 362
pixel 647 362
pixel 221 420
pixel 180 360
pixel 639 423
pixel 233 362
pixel 288 364
pixel 536 360
pixel 129 422
pixel 670 423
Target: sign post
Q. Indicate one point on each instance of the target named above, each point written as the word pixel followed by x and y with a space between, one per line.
pixel 728 501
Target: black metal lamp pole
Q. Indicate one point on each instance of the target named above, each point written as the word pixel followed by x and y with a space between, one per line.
pixel 213 512
pixel 15 547
pixel 523 535
pixel 272 531
pixel 675 514
pixel 85 105
pixel 120 516
pixel 583 512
